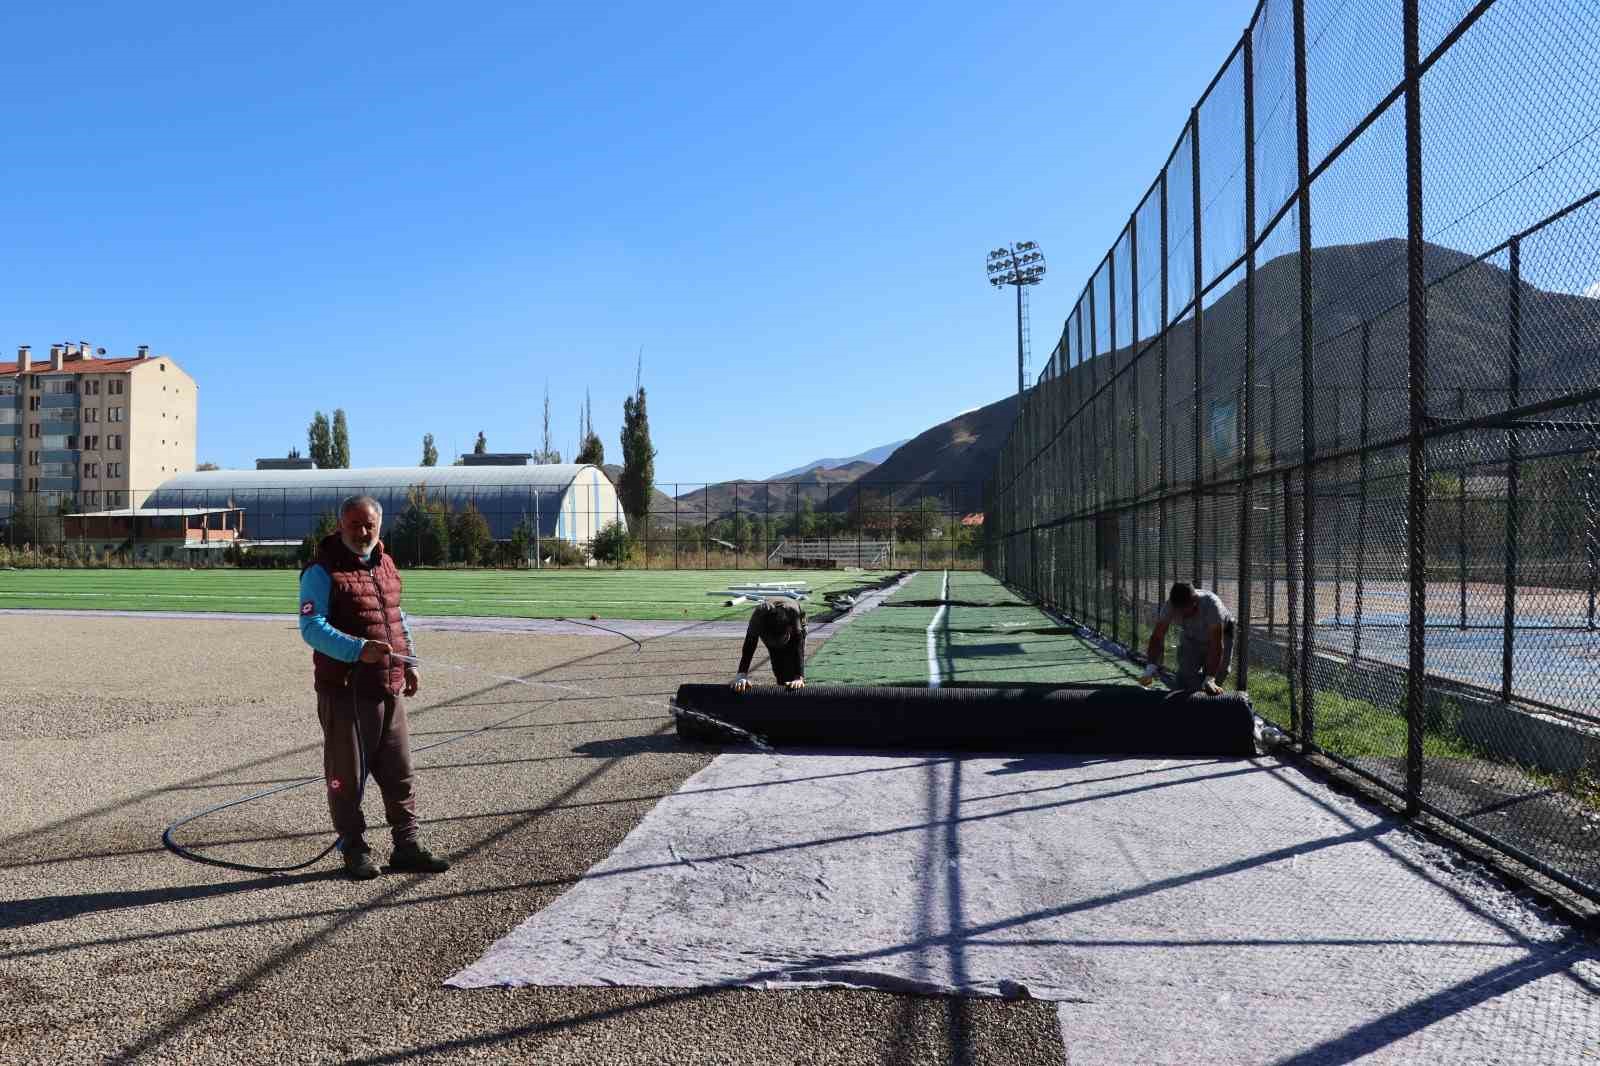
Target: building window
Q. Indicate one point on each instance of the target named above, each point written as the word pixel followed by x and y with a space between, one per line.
pixel 91 387
pixel 91 444
pixel 35 430
pixel 114 442
pixel 8 388
pixel 114 386
pixel 91 414
pixel 91 470
pixel 33 484
pixel 113 470
pixel 33 458
pixel 72 442
pixel 57 386
pixel 113 414
pixel 91 499
pixel 33 403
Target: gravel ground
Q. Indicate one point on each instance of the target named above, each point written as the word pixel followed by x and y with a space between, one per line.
pixel 113 949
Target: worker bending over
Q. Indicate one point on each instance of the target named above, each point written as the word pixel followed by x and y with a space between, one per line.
pixel 1205 645
pixel 780 624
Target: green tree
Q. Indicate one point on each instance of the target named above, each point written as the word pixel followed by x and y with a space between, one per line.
pixel 470 539
pixel 613 544
pixel 481 445
pixel 319 441
pixel 638 459
pixel 340 452
pixel 919 522
pixel 421 536
pixel 327 524
pixel 520 547
pixel 35 522
pixel 590 449
pixel 430 454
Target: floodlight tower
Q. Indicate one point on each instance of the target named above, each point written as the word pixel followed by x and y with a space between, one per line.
pixel 1019 265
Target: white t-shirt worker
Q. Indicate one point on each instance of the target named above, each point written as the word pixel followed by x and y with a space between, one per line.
pixel 1205 643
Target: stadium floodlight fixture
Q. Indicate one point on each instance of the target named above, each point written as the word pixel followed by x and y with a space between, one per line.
pixel 1019 264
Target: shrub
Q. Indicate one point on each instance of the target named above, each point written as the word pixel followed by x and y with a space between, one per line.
pixel 613 544
pixel 559 552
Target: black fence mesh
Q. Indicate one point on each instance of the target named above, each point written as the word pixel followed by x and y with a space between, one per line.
pixel 1343 366
pixel 527 520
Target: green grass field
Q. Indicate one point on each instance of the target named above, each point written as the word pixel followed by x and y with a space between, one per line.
pixel 567 593
pixel 989 637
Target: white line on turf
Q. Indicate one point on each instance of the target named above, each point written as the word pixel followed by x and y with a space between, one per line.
pixel 933 638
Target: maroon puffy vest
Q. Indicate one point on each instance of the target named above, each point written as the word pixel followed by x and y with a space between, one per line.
pixel 365 603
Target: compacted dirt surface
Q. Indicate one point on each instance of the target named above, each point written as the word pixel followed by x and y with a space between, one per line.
pixel 113 949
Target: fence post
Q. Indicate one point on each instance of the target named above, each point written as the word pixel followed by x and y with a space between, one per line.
pixel 1247 399
pixel 1513 466
pixel 1308 408
pixel 1161 414
pixel 1136 584
pixel 1461 512
pixel 1591 499
pixel 1417 474
pixel 1198 528
pixel 1361 487
pixel 1272 463
pixel 1109 498
pixel 1290 646
pixel 1338 531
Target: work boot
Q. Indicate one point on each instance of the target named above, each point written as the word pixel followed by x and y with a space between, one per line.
pixel 414 858
pixel 358 864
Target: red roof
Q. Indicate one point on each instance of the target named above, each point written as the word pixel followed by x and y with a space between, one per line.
pixel 975 519
pixel 78 366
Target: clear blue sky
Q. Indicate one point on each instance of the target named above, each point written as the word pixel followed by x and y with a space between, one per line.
pixel 421 212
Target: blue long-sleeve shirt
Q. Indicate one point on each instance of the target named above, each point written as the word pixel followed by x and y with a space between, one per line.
pixel 316 592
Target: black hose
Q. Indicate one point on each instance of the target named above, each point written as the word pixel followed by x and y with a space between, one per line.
pixel 193 856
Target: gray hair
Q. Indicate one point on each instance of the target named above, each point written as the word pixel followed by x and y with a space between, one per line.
pixel 352 502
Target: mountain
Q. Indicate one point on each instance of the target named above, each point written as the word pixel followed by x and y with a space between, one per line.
pixel 950 462
pixel 778 495
pixel 1359 374
pixel 873 456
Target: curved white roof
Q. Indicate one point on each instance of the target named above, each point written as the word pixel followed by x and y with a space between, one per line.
pixel 548 476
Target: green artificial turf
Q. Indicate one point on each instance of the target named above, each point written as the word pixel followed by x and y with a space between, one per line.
pixel 565 593
pixel 986 636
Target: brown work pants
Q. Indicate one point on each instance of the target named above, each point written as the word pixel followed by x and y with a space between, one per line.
pixel 388 747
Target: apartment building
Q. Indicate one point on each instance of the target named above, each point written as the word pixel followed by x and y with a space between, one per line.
pixel 91 431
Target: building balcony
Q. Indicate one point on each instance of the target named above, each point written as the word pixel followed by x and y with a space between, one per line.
pixel 52 401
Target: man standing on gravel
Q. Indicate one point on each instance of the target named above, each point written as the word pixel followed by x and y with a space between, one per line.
pixel 350 615
pixel 1206 645
pixel 780 624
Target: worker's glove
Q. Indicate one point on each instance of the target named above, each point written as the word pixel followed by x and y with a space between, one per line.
pixel 1211 688
pixel 1149 676
pixel 797 683
pixel 741 684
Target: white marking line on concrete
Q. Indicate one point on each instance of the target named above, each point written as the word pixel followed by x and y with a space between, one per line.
pixel 933 637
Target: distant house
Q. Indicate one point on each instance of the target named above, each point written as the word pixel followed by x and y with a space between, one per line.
pixel 157 533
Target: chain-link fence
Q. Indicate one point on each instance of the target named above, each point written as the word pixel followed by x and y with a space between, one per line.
pixel 530 521
pixel 1342 366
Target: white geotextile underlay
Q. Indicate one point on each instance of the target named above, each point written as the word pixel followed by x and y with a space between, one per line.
pixel 1185 911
